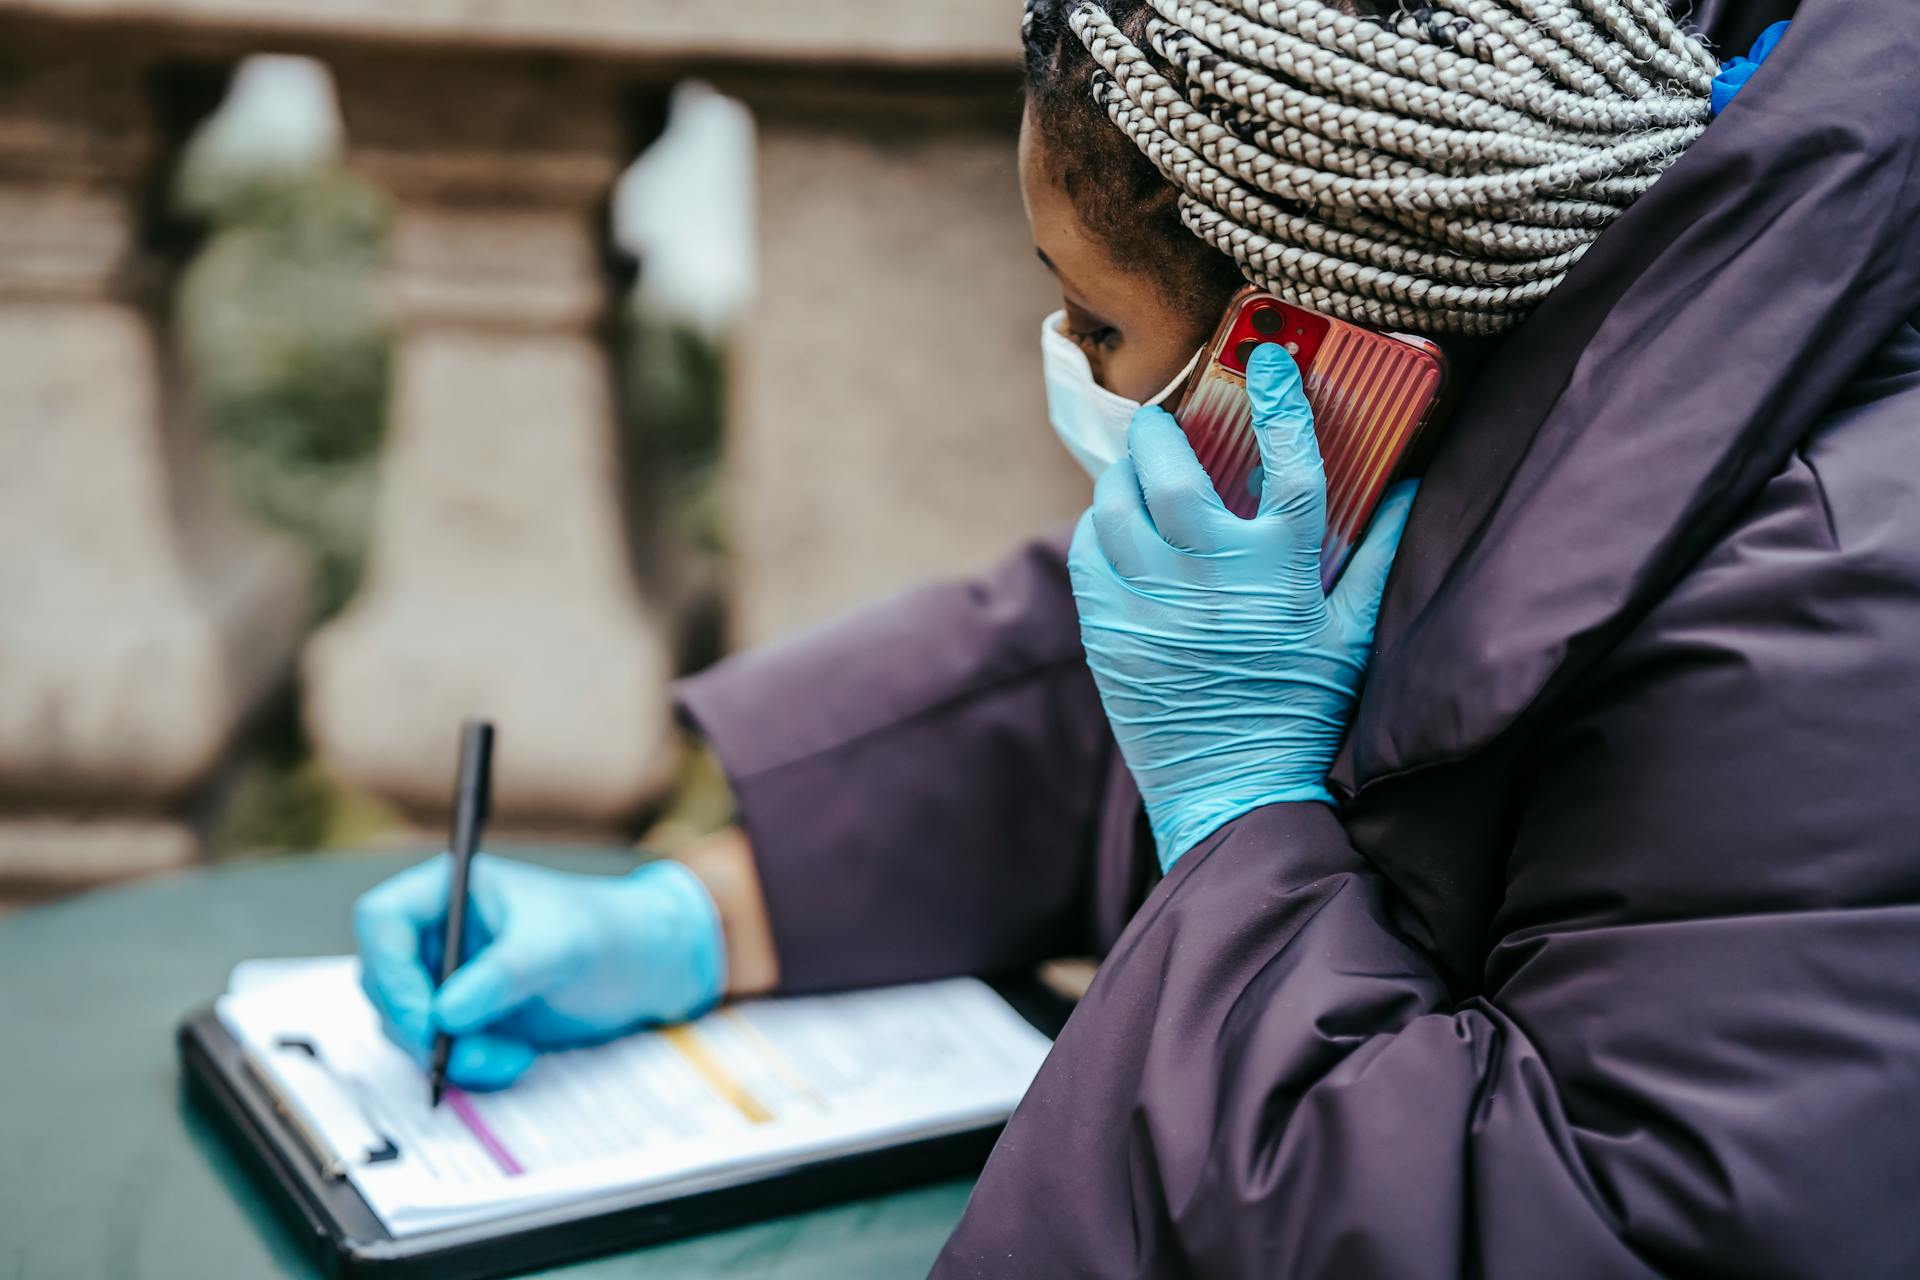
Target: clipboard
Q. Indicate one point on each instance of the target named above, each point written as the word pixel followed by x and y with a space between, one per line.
pixel 349 1242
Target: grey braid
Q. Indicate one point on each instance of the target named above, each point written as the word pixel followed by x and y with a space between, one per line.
pixel 1438 170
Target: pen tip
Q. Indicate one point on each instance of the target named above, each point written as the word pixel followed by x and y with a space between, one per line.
pixel 438 1089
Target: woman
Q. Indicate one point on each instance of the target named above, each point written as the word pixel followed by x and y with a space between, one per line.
pixel 1603 964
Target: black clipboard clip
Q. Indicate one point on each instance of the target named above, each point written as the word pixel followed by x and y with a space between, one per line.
pixel 374 1147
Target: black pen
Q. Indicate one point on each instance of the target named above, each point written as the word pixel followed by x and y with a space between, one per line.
pixel 473 785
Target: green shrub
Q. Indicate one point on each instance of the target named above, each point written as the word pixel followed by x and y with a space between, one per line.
pixel 287 345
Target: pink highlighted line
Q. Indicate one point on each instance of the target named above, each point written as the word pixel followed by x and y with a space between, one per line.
pixel 463 1107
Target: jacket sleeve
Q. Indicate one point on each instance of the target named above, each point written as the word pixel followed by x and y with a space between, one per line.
pixel 921 780
pixel 1696 1045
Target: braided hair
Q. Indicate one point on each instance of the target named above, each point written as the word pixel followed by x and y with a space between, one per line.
pixel 1436 168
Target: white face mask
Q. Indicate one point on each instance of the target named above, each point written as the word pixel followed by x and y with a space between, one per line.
pixel 1089 419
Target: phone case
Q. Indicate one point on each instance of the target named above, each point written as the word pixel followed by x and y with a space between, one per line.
pixel 1371 393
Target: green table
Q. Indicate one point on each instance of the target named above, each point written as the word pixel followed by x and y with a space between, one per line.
pixel 106 1170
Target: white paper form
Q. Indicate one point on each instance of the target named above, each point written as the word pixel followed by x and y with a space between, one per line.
pixel 748 1089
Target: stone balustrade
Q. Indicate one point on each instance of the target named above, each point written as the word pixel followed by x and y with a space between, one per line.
pixel 888 421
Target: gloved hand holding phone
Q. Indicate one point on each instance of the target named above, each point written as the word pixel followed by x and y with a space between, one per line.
pixel 557 959
pixel 1226 671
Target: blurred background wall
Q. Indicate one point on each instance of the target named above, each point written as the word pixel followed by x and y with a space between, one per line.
pixel 367 365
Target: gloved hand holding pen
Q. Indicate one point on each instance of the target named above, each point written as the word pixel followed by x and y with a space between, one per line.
pixel 557 959
pixel 1228 675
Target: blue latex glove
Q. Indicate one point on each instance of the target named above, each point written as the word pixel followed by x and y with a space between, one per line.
pixel 555 959
pixel 1736 71
pixel 1227 674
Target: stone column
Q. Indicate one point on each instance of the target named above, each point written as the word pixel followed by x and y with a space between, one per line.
pixel 140 621
pixel 891 422
pixel 500 583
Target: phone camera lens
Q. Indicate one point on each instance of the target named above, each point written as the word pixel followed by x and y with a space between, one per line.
pixel 1267 320
pixel 1244 352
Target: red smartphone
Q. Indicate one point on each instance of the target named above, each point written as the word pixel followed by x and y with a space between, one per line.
pixel 1371 394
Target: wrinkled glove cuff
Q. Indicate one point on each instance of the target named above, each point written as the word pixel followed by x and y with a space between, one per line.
pixel 688 953
pixel 1179 826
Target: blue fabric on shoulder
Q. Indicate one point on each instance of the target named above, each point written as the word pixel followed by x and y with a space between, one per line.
pixel 1736 71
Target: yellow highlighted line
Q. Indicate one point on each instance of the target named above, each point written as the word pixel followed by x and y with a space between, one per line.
pixel 701 1059
pixel 779 1064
